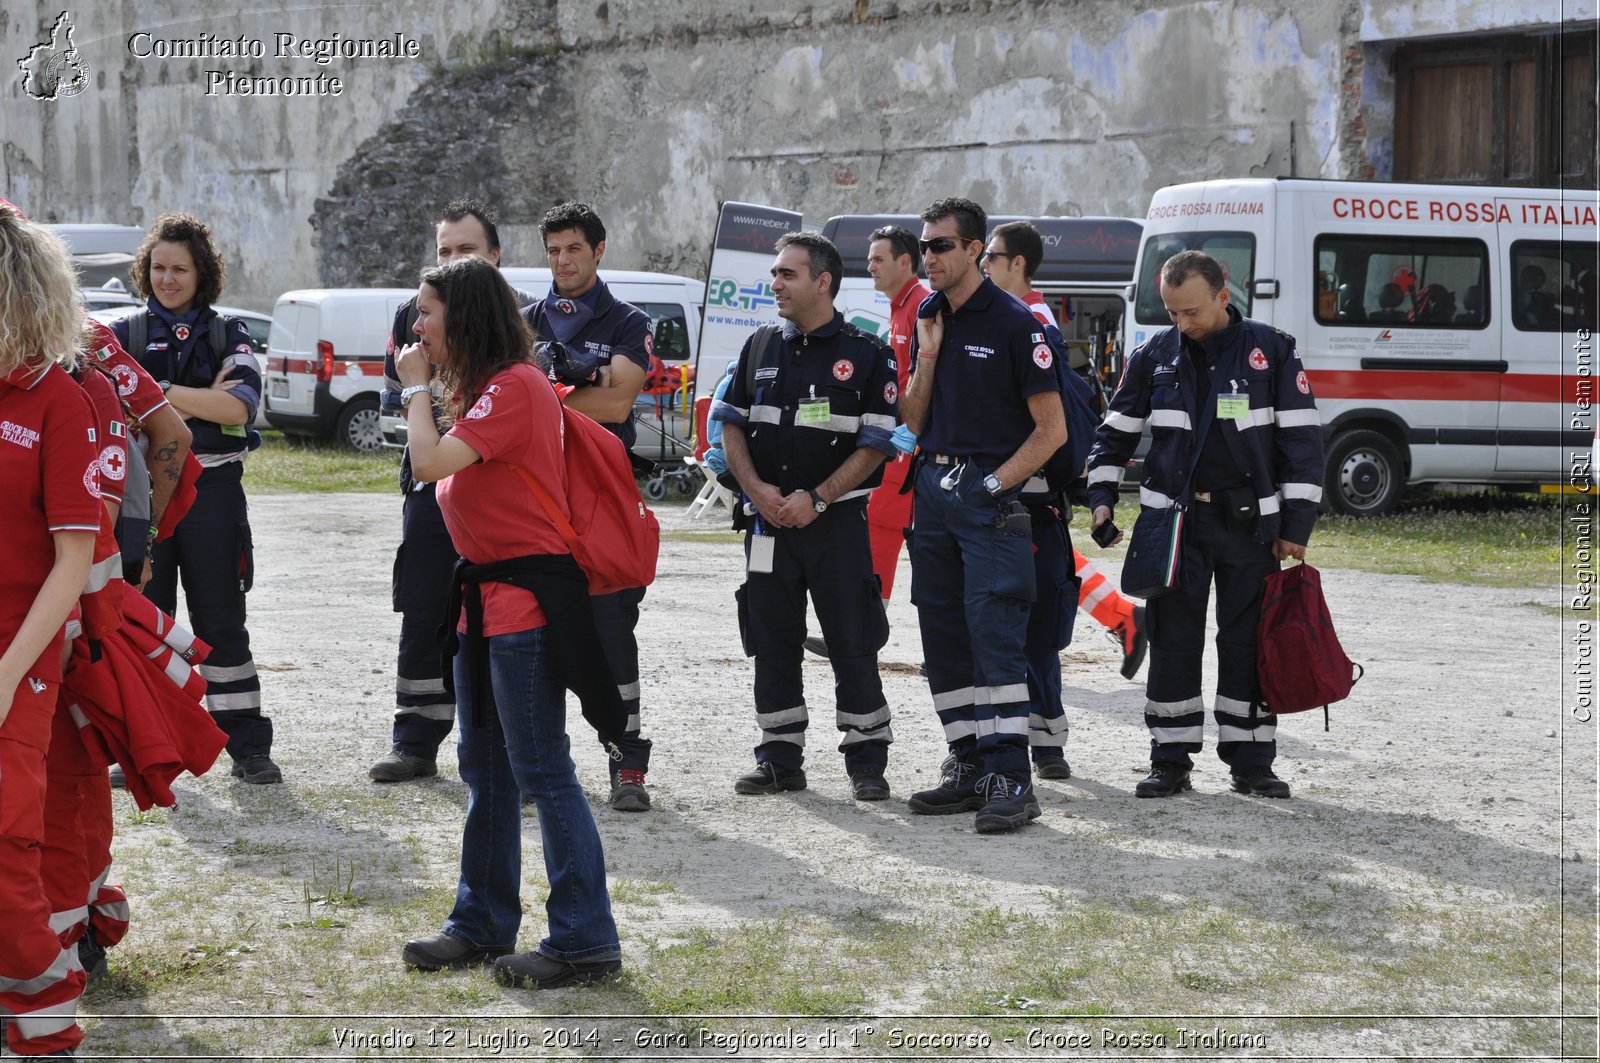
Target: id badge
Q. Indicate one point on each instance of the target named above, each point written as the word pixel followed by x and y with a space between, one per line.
pixel 1232 406
pixel 233 430
pixel 761 552
pixel 813 413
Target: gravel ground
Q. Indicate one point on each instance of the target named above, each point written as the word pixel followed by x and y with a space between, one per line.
pixel 1453 783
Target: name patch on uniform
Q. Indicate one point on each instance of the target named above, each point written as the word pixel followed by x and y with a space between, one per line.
pixel 1302 383
pixel 1043 356
pixel 768 373
pixel 844 369
pixel 16 433
pixel 1257 359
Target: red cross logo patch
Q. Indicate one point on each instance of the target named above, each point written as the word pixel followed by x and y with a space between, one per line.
pixel 1043 356
pixel 91 479
pixel 112 464
pixel 182 332
pixel 565 306
pixel 1302 383
pixel 844 369
pixel 890 392
pixel 1258 360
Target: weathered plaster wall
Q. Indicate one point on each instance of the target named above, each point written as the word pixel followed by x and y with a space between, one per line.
pixel 657 109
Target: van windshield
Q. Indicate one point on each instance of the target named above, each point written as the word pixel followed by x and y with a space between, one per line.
pixel 1235 250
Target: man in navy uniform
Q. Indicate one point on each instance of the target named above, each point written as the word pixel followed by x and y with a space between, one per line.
pixel 1236 390
pixel 423 711
pixel 986 406
pixel 808 420
pixel 589 338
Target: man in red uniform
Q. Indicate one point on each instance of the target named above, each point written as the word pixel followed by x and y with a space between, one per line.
pixel 893 259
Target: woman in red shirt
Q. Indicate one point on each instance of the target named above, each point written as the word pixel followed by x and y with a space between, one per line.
pixel 49 479
pixel 513 737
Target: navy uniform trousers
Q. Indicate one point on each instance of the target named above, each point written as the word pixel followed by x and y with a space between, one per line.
pixel 423 562
pixel 1174 710
pixel 972 581
pixel 1050 622
pixel 212 552
pixel 832 559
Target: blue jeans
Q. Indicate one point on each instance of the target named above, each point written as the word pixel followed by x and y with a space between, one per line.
pixel 522 746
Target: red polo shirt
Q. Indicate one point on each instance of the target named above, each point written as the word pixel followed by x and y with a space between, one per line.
pixel 491 514
pixel 49 478
pixel 903 325
pixel 110 433
pixel 134 383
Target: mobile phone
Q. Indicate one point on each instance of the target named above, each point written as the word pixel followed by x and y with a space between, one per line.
pixel 1104 534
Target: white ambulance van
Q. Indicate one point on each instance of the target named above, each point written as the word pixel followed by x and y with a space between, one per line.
pixel 1446 329
pixel 324 363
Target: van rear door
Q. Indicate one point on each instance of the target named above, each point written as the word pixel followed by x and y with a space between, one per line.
pixel 1548 309
pixel 291 356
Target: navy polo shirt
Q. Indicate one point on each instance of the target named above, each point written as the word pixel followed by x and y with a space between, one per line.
pixel 597 324
pixel 838 362
pixel 994 356
pixel 178 349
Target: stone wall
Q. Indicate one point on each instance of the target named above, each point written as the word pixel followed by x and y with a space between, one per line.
pixel 656 110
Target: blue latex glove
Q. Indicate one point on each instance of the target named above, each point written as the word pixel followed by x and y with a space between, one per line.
pixel 905 440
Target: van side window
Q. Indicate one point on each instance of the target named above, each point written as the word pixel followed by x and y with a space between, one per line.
pixel 1368 281
pixel 671 339
pixel 1235 250
pixel 1554 285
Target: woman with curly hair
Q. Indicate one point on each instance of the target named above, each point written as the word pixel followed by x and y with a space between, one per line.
pixel 49 479
pixel 506 442
pixel 210 374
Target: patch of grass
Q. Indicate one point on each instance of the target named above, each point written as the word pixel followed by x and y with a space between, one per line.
pixel 787 966
pixel 287 464
pixel 1491 538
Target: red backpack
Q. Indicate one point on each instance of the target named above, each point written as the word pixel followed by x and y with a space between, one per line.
pixel 612 534
pixel 1298 656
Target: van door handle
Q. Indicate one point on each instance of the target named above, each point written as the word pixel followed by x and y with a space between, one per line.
pixel 1264 289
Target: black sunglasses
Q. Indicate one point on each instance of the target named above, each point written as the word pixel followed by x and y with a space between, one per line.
pixel 990 255
pixel 941 244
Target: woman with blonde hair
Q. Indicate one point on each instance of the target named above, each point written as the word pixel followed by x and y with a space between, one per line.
pixel 49 479
pixel 525 596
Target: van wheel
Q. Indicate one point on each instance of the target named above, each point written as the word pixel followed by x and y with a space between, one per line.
pixel 1364 476
pixel 357 425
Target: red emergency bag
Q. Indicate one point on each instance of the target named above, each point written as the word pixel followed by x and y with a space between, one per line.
pixel 612 534
pixel 1298 656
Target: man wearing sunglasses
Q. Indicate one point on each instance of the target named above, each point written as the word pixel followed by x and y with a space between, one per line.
pixel 986 406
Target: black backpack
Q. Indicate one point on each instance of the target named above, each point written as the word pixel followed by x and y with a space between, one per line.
pixel 139 334
pixel 1067 465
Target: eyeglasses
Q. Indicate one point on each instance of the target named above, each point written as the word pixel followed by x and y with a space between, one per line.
pixel 989 256
pixel 940 245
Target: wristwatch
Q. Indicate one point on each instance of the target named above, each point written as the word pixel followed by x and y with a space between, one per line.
pixel 164 385
pixel 991 484
pixel 816 500
pixel 406 393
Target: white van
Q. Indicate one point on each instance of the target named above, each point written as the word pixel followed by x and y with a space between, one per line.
pixel 324 364
pixel 1438 323
pixel 673 303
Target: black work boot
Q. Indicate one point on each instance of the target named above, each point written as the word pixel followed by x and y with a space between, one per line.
pixel 1259 782
pixel 1008 804
pixel 770 779
pixel 1164 780
pixel 956 792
